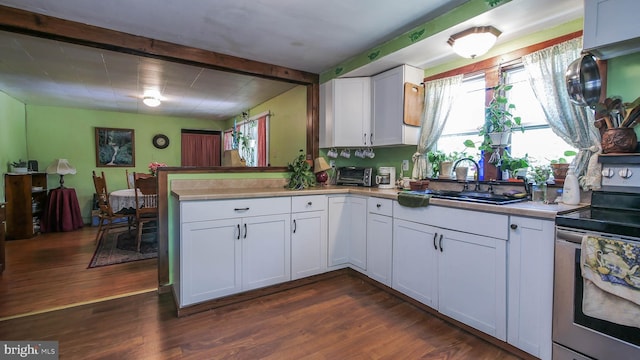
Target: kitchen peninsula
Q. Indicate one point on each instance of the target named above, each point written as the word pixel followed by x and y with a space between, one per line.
pixel 462 261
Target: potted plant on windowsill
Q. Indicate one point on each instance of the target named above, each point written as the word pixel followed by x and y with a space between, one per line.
pixel 499 121
pixel 560 166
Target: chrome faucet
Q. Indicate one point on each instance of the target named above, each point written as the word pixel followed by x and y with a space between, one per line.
pixel 475 176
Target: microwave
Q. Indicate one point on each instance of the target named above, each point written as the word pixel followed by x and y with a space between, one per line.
pixel 358 176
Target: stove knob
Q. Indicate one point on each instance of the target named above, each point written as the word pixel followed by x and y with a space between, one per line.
pixel 607 172
pixel 625 173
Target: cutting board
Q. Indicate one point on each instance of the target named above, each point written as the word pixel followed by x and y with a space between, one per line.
pixel 413 101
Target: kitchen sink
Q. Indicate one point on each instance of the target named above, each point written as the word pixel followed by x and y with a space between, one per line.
pixel 472 196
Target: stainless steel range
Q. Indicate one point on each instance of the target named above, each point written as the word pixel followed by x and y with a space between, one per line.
pixel 588 322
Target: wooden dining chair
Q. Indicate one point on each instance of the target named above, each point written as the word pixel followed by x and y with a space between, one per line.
pixel 130 183
pixel 146 203
pixel 108 219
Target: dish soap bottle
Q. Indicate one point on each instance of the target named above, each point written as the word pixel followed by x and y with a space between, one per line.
pixel 571 189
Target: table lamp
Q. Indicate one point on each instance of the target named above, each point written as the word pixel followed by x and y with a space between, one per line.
pixel 320 167
pixel 62 168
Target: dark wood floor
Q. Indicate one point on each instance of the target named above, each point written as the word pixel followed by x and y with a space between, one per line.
pixel 339 318
pixel 50 271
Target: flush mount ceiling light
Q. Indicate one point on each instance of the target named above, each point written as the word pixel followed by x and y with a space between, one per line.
pixel 151 101
pixel 475 41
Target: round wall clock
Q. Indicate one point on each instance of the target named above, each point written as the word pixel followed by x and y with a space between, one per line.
pixel 160 141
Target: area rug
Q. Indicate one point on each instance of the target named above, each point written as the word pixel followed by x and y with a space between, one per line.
pixel 120 247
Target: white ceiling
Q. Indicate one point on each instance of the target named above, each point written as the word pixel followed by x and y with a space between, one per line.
pixel 312 36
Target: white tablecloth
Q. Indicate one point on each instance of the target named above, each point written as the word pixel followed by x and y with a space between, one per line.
pixel 122 199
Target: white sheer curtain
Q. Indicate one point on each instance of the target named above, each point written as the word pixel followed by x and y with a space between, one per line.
pixel 439 95
pixel 546 69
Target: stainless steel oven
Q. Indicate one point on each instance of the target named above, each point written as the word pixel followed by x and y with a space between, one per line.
pixel 614 216
pixel 576 335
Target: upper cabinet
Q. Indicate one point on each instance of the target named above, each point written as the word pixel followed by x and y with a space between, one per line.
pixel 390 122
pixel 370 111
pixel 345 112
pixel 610 27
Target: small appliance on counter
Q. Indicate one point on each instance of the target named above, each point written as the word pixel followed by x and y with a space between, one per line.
pixel 358 176
pixel 386 178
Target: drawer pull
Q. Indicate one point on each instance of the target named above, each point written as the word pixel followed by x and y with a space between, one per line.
pixel 309 203
pixel 241 209
pixel 378 206
pixel 513 226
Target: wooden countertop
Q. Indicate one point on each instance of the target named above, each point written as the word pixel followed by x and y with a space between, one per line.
pixel 526 208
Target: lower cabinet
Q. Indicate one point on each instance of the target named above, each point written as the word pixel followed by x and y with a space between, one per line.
pixel 347 232
pixel 226 256
pixel 461 275
pixel 379 240
pixel 530 266
pixel 308 236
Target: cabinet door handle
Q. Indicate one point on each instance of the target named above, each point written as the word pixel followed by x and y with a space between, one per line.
pixel 241 209
pixel 364 138
pixel 245 230
pixel 441 249
pixel 435 246
pixel 371 139
pixel 238 238
pixel 513 226
pixel 295 226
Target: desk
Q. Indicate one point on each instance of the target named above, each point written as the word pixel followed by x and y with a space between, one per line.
pixel 62 212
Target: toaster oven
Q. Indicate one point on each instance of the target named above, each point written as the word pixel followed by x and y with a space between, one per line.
pixel 358 176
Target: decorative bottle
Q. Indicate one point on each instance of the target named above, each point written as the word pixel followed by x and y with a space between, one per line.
pixel 571 189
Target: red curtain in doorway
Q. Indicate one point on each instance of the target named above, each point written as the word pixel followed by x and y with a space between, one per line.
pixel 200 149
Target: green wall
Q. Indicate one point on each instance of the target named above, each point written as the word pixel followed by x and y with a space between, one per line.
pixel 56 132
pixel 288 125
pixel 13 137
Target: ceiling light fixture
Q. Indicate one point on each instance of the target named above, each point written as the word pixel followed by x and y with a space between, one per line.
pixel 151 101
pixel 475 41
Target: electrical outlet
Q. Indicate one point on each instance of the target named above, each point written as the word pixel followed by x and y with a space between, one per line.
pixel 405 165
pixel 332 163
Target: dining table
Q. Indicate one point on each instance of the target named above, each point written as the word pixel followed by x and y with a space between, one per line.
pixel 123 200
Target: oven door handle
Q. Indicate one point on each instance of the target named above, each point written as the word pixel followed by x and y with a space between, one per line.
pixel 569 236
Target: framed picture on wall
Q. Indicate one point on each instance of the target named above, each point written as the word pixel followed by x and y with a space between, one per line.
pixel 115 147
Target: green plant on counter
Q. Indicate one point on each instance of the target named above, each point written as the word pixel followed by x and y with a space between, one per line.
pixel 512 164
pixel 437 157
pixel 539 174
pixel 301 175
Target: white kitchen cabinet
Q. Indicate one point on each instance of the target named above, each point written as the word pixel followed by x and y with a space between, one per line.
pixel 472 281
pixel 210 260
pixel 440 260
pixel 530 268
pixel 415 267
pixel 387 113
pixel 229 246
pixel 358 237
pixel 610 27
pixel 308 236
pixel 345 112
pixel 379 239
pixel 347 232
pixel 266 251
